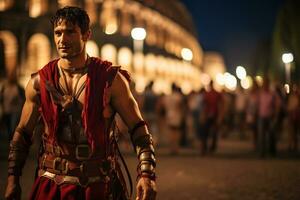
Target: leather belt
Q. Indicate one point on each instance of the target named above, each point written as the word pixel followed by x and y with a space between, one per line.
pixel 82 151
pixel 61 166
pixel 49 148
pixel 81 181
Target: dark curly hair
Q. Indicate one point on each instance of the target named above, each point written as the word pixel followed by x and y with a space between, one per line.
pixel 72 14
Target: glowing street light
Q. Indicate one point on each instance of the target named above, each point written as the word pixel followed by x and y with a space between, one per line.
pixel 220 79
pixel 287 88
pixel 287 59
pixel 111 28
pixel 241 72
pixel 259 80
pixel 230 81
pixel 138 33
pixel 186 54
pixel 246 83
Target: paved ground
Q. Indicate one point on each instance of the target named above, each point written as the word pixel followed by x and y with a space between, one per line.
pixel 234 172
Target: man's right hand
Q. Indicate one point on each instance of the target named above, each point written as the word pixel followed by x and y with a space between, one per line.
pixel 13 188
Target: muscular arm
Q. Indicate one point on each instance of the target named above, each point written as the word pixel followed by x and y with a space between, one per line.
pixel 21 141
pixel 125 104
pixel 30 113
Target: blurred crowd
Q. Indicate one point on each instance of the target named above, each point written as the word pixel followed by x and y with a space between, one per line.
pixel 263 115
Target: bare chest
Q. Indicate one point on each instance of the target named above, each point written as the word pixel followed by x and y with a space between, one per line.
pixel 73 87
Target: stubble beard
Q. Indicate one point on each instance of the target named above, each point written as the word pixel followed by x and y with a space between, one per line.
pixel 69 55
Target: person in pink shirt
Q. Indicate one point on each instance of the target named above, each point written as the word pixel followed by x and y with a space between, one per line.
pixel 266 103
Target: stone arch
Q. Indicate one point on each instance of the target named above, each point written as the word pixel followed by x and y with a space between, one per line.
pixel 92 48
pixel 125 58
pixel 38 54
pixel 37 7
pixel 91 9
pixel 10 50
pixel 109 18
pixel 6 4
pixel 109 52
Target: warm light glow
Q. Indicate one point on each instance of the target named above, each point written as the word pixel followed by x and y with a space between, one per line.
pixel 287 88
pixel 5 4
pixel 111 28
pixel 125 58
pixel 246 83
pixel 138 62
pixel 140 84
pixel 186 54
pixel 176 70
pixel 205 79
pixel 241 72
pixel 160 63
pixel 2 5
pixel 92 48
pixel 38 54
pixel 161 86
pixel 198 82
pixel 259 80
pixel 220 79
pixel 138 33
pixel 230 81
pixel 35 8
pixel 186 87
pixel 62 3
pixel 150 65
pixel 109 52
pixel 287 58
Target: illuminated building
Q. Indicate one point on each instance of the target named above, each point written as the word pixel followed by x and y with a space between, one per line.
pixel 164 49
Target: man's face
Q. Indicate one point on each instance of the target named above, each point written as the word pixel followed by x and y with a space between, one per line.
pixel 69 40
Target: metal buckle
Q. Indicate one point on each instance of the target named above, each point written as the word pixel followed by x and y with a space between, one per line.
pixel 66 168
pixel 83 152
pixel 64 165
pixel 55 164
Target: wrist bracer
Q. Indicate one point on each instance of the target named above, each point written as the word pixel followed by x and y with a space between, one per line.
pixel 143 145
pixel 18 152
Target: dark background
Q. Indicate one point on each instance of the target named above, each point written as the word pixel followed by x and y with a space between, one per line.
pixel 234 28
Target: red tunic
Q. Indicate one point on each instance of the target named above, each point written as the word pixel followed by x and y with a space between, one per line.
pixel 99 78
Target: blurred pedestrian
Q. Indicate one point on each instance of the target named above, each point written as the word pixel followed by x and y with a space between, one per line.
pixel 293 110
pixel 173 104
pixel 149 108
pixel 160 111
pixel 240 111
pixel 226 114
pixel 212 104
pixel 280 111
pixel 12 97
pixel 252 112
pixel 266 104
pixel 196 109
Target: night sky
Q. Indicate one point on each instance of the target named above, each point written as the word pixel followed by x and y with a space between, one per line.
pixel 233 27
